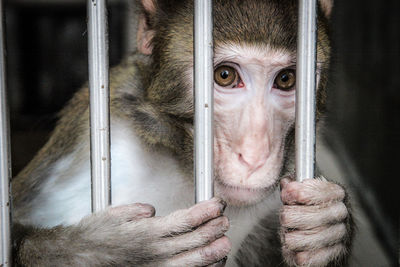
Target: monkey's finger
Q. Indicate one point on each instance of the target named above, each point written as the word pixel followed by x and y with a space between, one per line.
pixel 309 217
pixel 321 256
pixel 315 238
pixel 311 192
pixel 202 236
pixel 285 181
pixel 203 256
pixel 132 211
pixel 182 221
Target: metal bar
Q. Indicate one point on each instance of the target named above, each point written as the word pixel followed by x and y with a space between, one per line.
pixel 204 101
pixel 5 160
pixel 99 105
pixel 58 2
pixel 305 92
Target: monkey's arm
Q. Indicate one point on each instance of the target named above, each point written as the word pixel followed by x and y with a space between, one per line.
pixel 129 236
pixel 316 223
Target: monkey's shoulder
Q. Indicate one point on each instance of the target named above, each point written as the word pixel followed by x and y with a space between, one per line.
pixel 139 174
pixel 70 134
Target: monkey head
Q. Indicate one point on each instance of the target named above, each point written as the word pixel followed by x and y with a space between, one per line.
pixel 255 82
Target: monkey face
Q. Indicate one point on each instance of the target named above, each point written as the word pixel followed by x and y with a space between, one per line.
pixel 254 109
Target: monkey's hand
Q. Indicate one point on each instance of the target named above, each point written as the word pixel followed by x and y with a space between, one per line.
pixel 131 236
pixel 316 225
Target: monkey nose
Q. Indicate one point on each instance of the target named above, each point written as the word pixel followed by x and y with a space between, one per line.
pixel 253 162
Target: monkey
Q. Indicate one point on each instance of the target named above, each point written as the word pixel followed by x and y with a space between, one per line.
pixel 260 215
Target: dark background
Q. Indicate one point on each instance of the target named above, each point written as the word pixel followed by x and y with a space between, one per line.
pixel 364 104
pixel 47 63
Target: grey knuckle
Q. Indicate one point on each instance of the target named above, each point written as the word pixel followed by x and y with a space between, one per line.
pixel 301 259
pixel 340 192
pixel 218 229
pixel 190 218
pixel 208 255
pixel 302 197
pixel 342 229
pixel 287 240
pixel 284 218
pixel 207 234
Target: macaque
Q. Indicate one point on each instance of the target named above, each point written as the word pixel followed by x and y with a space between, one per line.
pixel 259 217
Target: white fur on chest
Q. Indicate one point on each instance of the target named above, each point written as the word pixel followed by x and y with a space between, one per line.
pixel 138 175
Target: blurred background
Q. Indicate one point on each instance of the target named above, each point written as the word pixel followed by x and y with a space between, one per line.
pixel 47 63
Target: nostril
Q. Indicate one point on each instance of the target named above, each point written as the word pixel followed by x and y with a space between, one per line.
pixel 242 160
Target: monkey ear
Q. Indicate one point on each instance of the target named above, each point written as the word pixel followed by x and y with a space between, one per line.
pixel 145 32
pixel 326 6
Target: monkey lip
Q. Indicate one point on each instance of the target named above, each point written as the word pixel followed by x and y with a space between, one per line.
pixel 239 195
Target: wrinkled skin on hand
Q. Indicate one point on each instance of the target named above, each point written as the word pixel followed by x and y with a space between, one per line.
pixel 131 235
pixel 315 223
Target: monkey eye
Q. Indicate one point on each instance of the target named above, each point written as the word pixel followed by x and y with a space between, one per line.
pixel 285 80
pixel 227 76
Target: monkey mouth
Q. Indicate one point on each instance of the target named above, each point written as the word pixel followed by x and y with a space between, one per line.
pixel 240 195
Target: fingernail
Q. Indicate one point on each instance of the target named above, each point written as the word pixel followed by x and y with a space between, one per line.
pixel 223 203
pixel 222 262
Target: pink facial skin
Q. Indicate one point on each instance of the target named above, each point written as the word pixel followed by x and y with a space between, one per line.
pixel 251 122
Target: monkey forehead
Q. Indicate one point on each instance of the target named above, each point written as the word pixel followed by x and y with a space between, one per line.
pixel 272 22
pixel 257 54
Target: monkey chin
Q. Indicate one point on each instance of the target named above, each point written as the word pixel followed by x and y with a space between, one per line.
pixel 241 196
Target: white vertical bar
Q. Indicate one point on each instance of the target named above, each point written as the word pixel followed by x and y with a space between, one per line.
pixel 99 105
pixel 5 164
pixel 204 101
pixel 306 89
